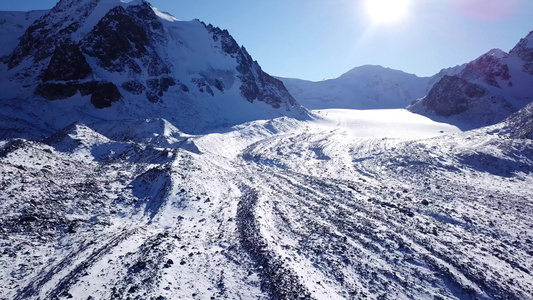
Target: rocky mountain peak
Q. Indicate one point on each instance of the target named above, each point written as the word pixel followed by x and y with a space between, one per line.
pixel 504 77
pixel 110 51
pixel 490 68
pixel 524 50
pixel 40 39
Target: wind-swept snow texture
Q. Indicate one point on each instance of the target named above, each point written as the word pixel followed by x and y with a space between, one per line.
pixel 340 207
pixel 93 60
pixel 486 91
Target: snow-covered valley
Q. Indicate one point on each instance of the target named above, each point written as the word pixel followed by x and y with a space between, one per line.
pixel 144 157
pixel 338 207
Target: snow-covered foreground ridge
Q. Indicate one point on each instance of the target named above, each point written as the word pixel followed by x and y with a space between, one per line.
pixel 278 209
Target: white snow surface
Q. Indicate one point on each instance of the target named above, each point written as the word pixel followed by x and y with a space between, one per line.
pixel 375 204
pixel 383 123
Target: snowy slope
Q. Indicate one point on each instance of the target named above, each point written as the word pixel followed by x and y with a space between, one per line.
pixel 341 207
pixel 365 87
pixel 486 91
pixel 93 60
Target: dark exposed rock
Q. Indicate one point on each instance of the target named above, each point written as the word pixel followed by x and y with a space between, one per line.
pixel 40 39
pixel 157 87
pixel 160 85
pixel 145 15
pixel 202 85
pixel 227 42
pixel 168 264
pixel 165 83
pixel 116 41
pixel 152 97
pixel 520 124
pixel 488 68
pixel 124 37
pixel 67 63
pixel 102 93
pixel 134 87
pixel 30 42
pixel 157 67
pixel 184 88
pixel 219 85
pixel 249 88
pixel 271 89
pixel 258 85
pixel 452 95
pixel 77 49
pixel 56 91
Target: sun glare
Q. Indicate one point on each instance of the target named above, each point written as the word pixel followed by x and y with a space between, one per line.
pixel 387 11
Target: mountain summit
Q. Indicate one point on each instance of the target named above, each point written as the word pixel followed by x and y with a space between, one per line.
pixel 488 90
pixel 364 87
pixel 107 59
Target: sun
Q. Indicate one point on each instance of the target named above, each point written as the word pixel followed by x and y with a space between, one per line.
pixel 387 11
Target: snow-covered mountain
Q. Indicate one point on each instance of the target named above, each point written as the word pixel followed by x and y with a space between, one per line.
pixel 365 87
pixel 486 91
pixel 88 60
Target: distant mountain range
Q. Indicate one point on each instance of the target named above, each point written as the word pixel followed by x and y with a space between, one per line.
pixel 365 87
pixel 479 93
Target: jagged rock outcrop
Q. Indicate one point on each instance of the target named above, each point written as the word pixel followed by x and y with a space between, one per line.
pixel 488 68
pixel 486 91
pixel 67 63
pixel 256 84
pixel 524 50
pixel 40 39
pixel 103 94
pixel 453 95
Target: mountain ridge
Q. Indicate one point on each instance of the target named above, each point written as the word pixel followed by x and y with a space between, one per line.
pixel 488 90
pixel 364 87
pixel 115 54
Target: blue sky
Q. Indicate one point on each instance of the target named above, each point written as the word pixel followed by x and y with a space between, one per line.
pixel 317 39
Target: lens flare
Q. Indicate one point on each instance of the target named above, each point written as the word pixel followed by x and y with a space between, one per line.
pixel 387 11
